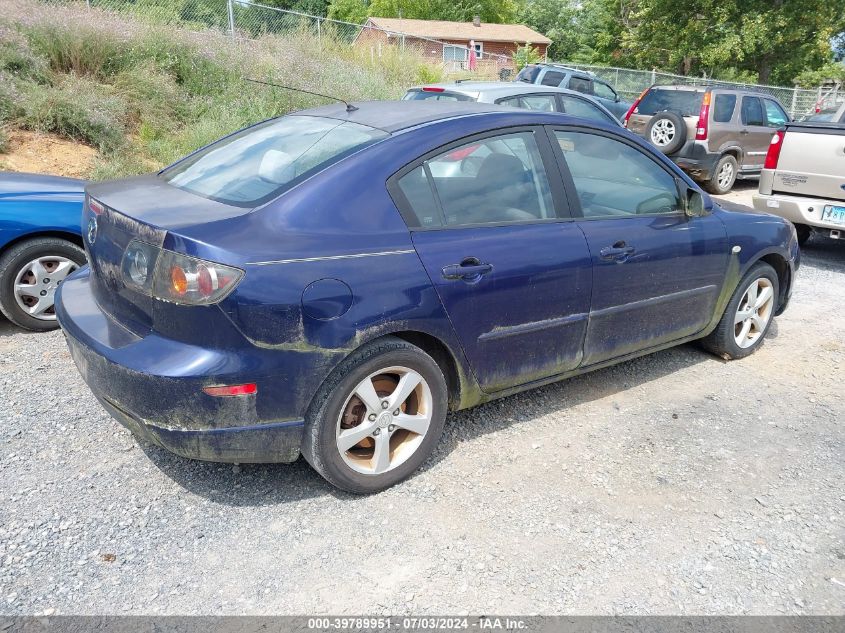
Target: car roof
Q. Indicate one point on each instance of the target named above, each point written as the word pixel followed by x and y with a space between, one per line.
pixel 498 88
pixel 392 116
pixel 714 86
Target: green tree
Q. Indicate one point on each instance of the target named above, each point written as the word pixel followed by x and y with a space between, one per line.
pixel 355 11
pixel 525 55
pixel 557 20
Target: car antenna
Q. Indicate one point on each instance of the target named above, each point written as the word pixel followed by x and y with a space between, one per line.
pixel 349 106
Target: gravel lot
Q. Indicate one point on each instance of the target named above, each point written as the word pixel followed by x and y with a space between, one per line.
pixel 675 483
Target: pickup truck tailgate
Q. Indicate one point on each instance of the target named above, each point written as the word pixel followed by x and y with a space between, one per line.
pixel 812 162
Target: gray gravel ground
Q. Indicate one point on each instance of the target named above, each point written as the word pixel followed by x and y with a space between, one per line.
pixel 676 483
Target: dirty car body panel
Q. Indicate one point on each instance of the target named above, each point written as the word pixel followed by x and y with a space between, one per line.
pixel 340 257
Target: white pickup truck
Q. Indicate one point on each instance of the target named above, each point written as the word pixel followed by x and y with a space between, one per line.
pixel 803 179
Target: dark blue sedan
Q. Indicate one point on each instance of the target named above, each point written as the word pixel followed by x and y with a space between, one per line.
pixel 40 244
pixel 332 282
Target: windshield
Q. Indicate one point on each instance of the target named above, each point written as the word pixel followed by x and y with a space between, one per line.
pixel 683 102
pixel 828 114
pixel 255 165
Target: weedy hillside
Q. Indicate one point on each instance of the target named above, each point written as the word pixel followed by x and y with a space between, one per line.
pixel 143 95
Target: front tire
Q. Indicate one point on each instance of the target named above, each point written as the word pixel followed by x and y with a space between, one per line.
pixel 377 418
pixel 749 314
pixel 30 273
pixel 724 176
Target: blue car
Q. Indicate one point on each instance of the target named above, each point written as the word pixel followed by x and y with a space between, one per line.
pixel 40 244
pixel 332 282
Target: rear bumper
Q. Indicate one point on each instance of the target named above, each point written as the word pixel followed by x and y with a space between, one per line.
pixel 153 386
pixel 694 159
pixel 797 209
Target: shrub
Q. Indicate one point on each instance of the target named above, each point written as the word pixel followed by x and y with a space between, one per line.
pixel 4 140
pixel 81 51
pixel 152 99
pixel 79 109
pixel 18 60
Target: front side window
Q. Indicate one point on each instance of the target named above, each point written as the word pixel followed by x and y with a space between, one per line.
pixel 752 111
pixel 723 108
pixel 614 179
pixel 552 78
pixel 584 109
pixel 255 165
pixel 775 116
pixel 580 84
pixel 604 91
pixel 488 181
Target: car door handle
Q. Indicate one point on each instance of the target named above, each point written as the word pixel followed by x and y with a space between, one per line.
pixel 618 252
pixel 469 269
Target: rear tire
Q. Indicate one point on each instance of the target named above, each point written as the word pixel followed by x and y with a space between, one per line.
pixel 804 232
pixel 748 316
pixel 16 269
pixel 350 406
pixel 724 176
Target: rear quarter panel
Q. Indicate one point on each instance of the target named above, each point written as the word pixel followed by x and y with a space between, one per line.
pixel 22 215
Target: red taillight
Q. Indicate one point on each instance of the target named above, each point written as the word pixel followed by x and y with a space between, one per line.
pixel 433 89
pixel 461 153
pixel 96 207
pixel 634 106
pixel 701 128
pixel 232 390
pixel 773 155
pixel 205 281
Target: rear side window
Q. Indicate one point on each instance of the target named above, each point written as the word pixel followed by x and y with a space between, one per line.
pixel 584 109
pixel 752 111
pixel 579 84
pixel 683 102
pixel 488 181
pixel 775 116
pixel 552 78
pixel 430 95
pixel 255 165
pixel 528 74
pixel 723 108
pixel 542 103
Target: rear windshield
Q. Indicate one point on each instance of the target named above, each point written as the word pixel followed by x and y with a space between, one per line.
pixel 528 74
pixel 828 114
pixel 431 95
pixel 255 165
pixel 683 102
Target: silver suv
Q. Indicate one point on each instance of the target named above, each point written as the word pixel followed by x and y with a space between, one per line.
pixel 715 134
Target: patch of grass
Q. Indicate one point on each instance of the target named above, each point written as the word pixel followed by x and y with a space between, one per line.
pixel 82 51
pixel 18 60
pixel 79 109
pixel 4 140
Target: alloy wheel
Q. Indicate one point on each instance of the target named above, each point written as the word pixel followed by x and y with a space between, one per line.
pixel 725 175
pixel 663 132
pixel 384 420
pixel 36 284
pixel 754 312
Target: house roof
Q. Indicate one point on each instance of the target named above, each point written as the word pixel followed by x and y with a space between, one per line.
pixel 442 30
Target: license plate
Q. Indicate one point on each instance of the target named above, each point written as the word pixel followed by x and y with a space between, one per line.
pixel 834 214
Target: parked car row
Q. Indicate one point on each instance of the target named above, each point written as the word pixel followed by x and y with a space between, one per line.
pixel 331 282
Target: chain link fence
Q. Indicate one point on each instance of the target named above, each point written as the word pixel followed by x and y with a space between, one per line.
pixel 630 83
pixel 242 19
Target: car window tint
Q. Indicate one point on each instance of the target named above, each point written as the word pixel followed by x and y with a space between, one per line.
pixel 552 78
pixel 775 116
pixel 512 102
pixel 580 85
pixel 723 108
pixel 584 109
pixel 752 111
pixel 684 102
pixel 494 180
pixel 603 90
pixel 614 179
pixel 543 103
pixel 417 191
pixel 427 95
pixel 257 164
pixel 528 74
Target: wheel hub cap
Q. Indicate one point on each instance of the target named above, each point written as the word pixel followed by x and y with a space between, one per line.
pixel 36 284
pixel 754 312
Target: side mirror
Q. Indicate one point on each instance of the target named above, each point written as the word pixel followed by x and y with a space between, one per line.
pixel 692 200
